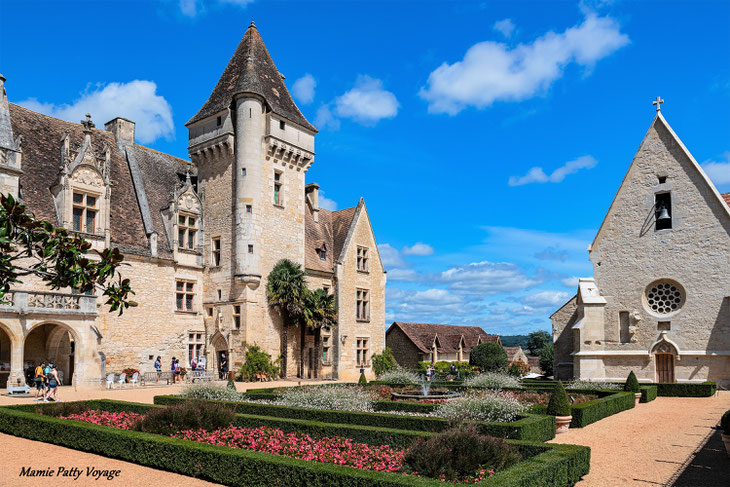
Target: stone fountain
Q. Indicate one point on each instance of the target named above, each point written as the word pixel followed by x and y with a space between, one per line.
pixel 424 393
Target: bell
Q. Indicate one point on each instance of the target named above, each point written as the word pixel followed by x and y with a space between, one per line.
pixel 663 215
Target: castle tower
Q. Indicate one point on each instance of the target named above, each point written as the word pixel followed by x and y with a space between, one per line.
pixel 252 147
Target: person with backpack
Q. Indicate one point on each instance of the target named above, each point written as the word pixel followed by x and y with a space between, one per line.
pixel 172 369
pixel 158 368
pixel 52 379
pixel 178 370
pixel 38 382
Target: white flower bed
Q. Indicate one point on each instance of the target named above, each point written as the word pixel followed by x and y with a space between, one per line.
pixel 214 392
pixel 329 397
pixel 401 376
pixel 493 406
pixel 492 380
pixel 593 386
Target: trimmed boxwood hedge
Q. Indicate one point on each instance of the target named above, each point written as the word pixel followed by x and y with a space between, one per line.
pixel 528 427
pixel 705 389
pixel 648 393
pixel 589 412
pixel 546 465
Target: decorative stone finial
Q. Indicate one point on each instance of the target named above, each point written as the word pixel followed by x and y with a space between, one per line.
pixel 658 102
pixel 88 124
pixel 253 24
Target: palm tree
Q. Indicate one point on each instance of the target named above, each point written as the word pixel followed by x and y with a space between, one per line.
pixel 285 290
pixel 319 312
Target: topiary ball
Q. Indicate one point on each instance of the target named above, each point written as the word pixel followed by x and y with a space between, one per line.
pixel 632 383
pixel 559 404
pixel 363 380
pixel 725 422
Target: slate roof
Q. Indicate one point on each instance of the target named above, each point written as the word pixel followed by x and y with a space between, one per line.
pixel 423 335
pixel 252 70
pixel 41 147
pixel 331 231
pixel 512 352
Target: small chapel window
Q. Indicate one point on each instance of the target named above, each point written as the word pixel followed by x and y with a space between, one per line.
pixel 624 323
pixel 663 211
pixel 277 188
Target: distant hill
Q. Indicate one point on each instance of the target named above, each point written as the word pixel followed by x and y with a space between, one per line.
pixel 515 341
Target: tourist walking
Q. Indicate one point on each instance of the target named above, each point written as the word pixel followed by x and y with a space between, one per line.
pixel 38 381
pixel 52 378
pixel 429 372
pixel 158 368
pixel 223 366
pixel 172 370
pixel 178 370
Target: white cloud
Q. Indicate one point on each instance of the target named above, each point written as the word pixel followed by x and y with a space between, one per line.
pixel 491 71
pixel 504 27
pixel 546 299
pixel 399 274
pixel 570 282
pixel 326 203
pixel 552 253
pixel 137 100
pixel 191 8
pixel 487 278
pixel 367 102
pixel 391 257
pixel 419 248
pixel 537 175
pixel 718 171
pixel 325 118
pixel 303 89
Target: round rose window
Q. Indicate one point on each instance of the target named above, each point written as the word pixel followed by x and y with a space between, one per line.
pixel 664 297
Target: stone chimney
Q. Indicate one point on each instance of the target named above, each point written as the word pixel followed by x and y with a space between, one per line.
pixel 312 193
pixel 122 129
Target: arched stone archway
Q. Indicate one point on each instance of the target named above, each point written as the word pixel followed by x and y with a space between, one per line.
pixel 220 348
pixel 6 354
pixel 55 342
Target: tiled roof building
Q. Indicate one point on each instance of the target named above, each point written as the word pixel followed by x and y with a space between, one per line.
pixel 200 235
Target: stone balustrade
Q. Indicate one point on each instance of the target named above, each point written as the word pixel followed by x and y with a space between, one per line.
pixel 42 302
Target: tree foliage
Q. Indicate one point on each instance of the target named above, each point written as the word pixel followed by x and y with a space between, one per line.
pixel 384 362
pixel 537 341
pixel 30 246
pixel 257 364
pixel 489 357
pixel 320 313
pixel 547 359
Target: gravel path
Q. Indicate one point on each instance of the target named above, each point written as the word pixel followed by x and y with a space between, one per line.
pixel 647 445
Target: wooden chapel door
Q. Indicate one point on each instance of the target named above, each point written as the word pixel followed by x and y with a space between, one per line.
pixel 665 367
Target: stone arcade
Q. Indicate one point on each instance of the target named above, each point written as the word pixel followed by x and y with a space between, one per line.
pixel 201 237
pixel 659 300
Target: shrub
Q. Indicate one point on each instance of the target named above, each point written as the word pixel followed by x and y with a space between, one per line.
pixel 231 385
pixel 459 453
pixel 704 389
pixel 384 362
pixel 257 364
pixel 363 381
pixel 559 404
pixel 491 406
pixel 329 397
pixel 725 422
pixel 187 415
pixel 213 392
pixel 593 386
pixel 518 368
pixel 547 359
pixel 401 376
pixel 632 384
pixel 61 408
pixel 489 357
pixel 492 380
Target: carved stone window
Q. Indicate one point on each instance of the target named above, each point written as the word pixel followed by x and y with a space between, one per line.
pixel 85 209
pixel 187 229
pixel 664 297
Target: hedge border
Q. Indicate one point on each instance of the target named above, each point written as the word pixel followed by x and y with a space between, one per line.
pixel 529 427
pixel 648 393
pixel 704 389
pixel 551 465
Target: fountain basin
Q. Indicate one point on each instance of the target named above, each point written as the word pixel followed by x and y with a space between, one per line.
pixel 421 395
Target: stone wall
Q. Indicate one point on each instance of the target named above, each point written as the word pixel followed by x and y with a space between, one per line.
pixel 563 321
pixel 405 352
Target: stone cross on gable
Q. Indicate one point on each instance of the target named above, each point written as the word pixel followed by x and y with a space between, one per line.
pixel 88 124
pixel 658 102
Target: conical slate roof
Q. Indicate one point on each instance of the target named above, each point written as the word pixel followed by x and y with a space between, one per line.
pixel 251 70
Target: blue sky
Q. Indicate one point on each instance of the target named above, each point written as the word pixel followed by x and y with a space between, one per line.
pixel 488 138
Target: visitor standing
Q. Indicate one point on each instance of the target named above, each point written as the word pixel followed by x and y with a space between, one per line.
pixel 202 363
pixel 38 382
pixel 223 366
pixel 428 373
pixel 52 378
pixel 178 370
pixel 172 370
pixel 158 367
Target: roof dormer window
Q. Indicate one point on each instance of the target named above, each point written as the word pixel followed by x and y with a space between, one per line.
pixel 85 209
pixel 322 252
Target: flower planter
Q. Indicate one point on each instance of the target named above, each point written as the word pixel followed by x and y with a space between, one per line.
pixel 726 440
pixel 562 424
pixel 637 395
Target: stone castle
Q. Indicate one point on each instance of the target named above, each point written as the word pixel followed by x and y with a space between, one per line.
pixel 659 301
pixel 200 237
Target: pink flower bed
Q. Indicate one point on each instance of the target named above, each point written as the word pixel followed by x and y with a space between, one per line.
pixel 338 451
pixel 122 420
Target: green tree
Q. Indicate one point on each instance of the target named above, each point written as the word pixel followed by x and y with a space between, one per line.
pixel 384 362
pixel 320 313
pixel 537 340
pixel 489 357
pixel 285 289
pixel 257 363
pixel 547 359
pixel 33 247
